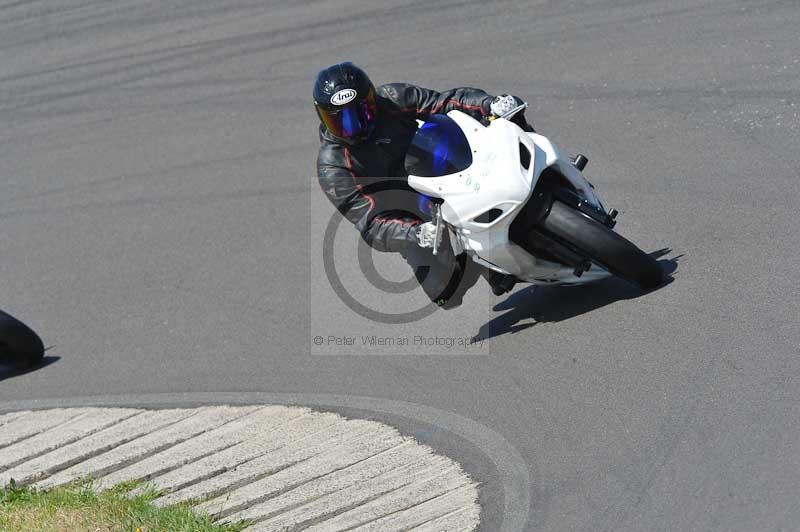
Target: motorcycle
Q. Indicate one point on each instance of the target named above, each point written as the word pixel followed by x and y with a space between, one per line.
pixel 20 347
pixel 514 204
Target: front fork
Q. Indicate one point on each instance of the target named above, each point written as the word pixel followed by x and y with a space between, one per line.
pixel 589 205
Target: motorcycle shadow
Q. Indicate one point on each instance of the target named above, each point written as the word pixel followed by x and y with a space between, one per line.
pixel 557 303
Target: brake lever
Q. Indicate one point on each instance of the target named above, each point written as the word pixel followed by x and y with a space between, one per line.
pixel 515 110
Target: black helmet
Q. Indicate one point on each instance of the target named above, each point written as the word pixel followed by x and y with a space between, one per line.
pixel 345 101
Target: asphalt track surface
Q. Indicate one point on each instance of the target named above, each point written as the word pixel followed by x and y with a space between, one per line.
pixel 156 172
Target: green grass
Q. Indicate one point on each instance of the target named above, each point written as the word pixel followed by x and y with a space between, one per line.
pixel 78 508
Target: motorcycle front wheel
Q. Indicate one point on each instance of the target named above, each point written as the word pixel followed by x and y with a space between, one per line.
pixel 20 347
pixel 602 245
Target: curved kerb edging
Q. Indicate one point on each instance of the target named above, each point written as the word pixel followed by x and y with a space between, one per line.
pixel 276 467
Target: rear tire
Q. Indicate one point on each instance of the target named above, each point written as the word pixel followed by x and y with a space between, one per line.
pixel 602 245
pixel 19 345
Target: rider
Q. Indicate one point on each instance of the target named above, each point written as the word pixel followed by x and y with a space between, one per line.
pixel 364 136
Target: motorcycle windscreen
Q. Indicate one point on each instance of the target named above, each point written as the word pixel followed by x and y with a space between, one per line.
pixel 439 148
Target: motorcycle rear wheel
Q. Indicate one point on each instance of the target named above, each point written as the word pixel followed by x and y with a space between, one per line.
pixel 19 345
pixel 602 245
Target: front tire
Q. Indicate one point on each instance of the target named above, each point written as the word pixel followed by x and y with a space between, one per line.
pixel 602 245
pixel 19 345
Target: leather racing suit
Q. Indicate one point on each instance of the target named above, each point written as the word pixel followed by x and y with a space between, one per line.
pixel 366 182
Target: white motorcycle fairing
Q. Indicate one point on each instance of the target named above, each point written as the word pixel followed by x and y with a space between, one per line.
pixel 499 180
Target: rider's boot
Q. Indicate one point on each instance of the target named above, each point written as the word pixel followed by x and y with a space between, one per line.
pixel 501 283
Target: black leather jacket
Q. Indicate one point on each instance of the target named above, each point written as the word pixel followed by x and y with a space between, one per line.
pixel 356 178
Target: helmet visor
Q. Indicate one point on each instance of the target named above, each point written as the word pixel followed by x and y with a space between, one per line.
pixel 352 121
